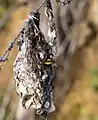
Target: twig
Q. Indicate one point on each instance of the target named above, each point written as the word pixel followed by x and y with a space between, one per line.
pixel 41 5
pixel 4 57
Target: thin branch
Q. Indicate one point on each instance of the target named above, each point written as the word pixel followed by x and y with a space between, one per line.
pixel 4 57
pixel 41 5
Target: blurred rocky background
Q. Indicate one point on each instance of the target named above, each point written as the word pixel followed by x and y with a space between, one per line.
pixel 76 82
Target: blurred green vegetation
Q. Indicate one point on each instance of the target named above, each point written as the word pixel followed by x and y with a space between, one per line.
pixel 2 11
pixel 6 3
pixel 94 73
pixel 2 92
